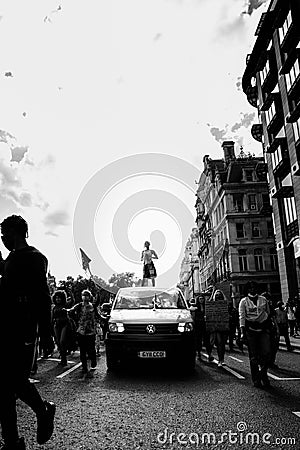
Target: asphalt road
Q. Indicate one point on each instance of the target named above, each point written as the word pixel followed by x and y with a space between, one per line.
pixel 158 407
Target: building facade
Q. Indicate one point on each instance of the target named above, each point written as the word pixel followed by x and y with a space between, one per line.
pixel 271 82
pixel 234 220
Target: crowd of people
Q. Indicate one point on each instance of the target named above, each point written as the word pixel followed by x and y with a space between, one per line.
pixel 78 318
pixel 37 317
pixel 257 323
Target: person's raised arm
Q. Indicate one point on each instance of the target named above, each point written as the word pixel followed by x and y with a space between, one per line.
pixel 154 254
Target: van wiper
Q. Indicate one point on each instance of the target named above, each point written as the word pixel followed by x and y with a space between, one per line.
pixel 154 303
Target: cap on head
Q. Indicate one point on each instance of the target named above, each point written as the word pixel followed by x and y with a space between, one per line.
pixel 86 293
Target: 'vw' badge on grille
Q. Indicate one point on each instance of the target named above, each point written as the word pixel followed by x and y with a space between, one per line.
pixel 150 329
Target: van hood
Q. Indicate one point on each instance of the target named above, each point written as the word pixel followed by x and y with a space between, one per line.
pixel 150 316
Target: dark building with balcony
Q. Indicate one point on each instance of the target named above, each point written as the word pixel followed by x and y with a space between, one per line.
pixel 271 82
pixel 234 219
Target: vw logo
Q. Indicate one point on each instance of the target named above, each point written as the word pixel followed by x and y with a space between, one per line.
pixel 150 329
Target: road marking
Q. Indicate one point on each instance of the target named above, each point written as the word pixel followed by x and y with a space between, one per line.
pixel 236 374
pixel 33 380
pixel 58 360
pixel 297 413
pixel 282 379
pixel 294 351
pixel 236 359
pixel 69 371
pixel 228 369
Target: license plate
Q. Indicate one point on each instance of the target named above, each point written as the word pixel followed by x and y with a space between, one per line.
pixel 152 354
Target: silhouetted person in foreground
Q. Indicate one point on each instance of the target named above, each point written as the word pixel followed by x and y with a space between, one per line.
pixel 25 314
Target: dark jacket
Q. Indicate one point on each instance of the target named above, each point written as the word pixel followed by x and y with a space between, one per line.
pixel 25 302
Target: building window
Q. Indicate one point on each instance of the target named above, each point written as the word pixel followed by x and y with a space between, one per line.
pixel 266 201
pixel 273 259
pixel 264 73
pixel 292 75
pixel 240 230
pixel 243 260
pixel 290 210
pixel 276 157
pixel 238 202
pixel 270 229
pixel 252 201
pixel 270 113
pixel 285 27
pixel 258 259
pixel 255 229
pixel 296 127
pixel 249 175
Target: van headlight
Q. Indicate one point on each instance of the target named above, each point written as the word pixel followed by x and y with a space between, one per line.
pixel 116 327
pixel 185 327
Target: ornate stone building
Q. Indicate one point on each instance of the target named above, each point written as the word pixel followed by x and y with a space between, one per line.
pixel 234 220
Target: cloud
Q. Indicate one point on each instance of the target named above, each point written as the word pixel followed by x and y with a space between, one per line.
pixel 57 218
pixel 22 179
pixel 18 153
pixel 6 137
pixel 219 134
pixel 157 37
pixel 230 132
pixel 232 27
pixel 239 83
pixel 51 233
pixel 246 121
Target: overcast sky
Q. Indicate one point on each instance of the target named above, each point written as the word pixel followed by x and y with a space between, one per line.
pixel 84 84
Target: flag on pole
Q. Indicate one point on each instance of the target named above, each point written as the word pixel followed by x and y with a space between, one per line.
pixel 85 260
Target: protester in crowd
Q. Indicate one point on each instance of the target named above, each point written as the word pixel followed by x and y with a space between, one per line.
pixel 86 316
pixel 297 316
pixel 290 308
pixel 254 314
pixel 274 331
pixel 197 308
pixel 233 324
pixel 149 270
pixel 104 318
pixel 25 314
pixel 217 324
pixel 61 325
pixel 282 321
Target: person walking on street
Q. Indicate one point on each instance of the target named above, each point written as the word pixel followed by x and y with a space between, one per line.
pixel 233 324
pixel 149 271
pixel 290 308
pixel 197 306
pixel 274 331
pixel 254 313
pixel 282 321
pixel 297 316
pixel 25 314
pixel 86 315
pixel 61 324
pixel 217 325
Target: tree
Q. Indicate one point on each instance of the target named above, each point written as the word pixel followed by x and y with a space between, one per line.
pixel 125 279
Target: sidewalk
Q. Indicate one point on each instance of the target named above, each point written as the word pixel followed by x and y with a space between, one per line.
pixel 295 342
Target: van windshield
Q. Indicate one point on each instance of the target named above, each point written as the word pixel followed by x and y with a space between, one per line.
pixel 158 300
